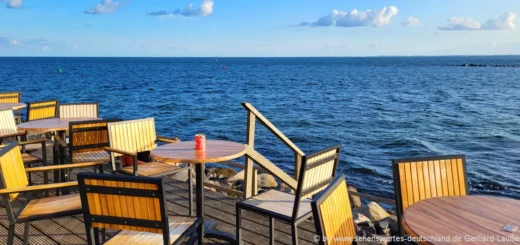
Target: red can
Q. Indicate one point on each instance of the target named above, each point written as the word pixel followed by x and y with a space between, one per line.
pixel 200 142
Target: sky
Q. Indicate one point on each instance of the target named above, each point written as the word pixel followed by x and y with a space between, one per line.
pixel 258 28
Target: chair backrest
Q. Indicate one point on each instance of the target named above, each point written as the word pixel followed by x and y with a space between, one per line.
pixel 7 123
pixel 87 136
pixel 133 135
pixel 10 97
pixel 124 202
pixel 427 177
pixel 332 214
pixel 78 110
pixel 12 170
pixel 41 110
pixel 316 173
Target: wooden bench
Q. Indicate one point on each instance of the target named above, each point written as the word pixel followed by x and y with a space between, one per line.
pixel 137 205
pixel 316 173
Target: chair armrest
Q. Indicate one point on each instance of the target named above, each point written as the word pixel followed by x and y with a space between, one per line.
pixel 167 140
pixel 12 135
pixel 64 166
pixel 38 187
pixel 109 149
pixel 30 142
pixel 60 141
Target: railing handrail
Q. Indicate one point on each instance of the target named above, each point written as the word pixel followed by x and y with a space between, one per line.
pixel 273 128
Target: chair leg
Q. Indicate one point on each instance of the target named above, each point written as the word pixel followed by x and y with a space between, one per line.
pixel 239 225
pixel 26 233
pixel 271 230
pixel 10 234
pixel 190 188
pixel 294 229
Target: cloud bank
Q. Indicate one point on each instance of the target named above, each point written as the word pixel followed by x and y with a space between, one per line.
pixel 411 21
pixel 506 21
pixel 205 9
pixel 355 18
pixel 14 4
pixel 104 7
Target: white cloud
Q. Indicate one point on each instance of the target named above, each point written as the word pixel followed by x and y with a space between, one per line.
pixel 14 4
pixel 104 7
pixel 205 9
pixel 355 18
pixel 506 21
pixel 411 21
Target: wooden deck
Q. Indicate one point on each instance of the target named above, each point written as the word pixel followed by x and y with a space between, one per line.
pixel 219 208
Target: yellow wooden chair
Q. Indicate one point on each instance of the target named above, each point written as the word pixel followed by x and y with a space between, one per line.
pixel 137 205
pixel 41 110
pixel 316 173
pixel 72 110
pixel 427 177
pixel 12 97
pixel 13 181
pixel 332 215
pixel 8 129
pixel 134 136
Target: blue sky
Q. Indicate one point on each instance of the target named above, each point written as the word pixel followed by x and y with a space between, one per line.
pixel 258 28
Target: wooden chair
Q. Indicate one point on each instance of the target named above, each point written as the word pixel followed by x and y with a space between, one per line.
pixel 87 141
pixel 41 110
pixel 8 129
pixel 13 180
pixel 137 205
pixel 12 97
pixel 134 136
pixel 78 110
pixel 427 177
pixel 332 215
pixel 316 172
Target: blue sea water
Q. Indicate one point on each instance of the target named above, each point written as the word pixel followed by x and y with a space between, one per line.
pixel 378 108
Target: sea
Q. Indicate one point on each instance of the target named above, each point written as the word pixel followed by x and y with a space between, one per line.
pixel 378 108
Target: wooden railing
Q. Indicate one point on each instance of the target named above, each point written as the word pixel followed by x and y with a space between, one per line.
pixel 252 155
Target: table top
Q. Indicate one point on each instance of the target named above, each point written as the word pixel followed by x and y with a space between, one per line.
pixel 475 219
pixel 13 106
pixel 184 152
pixel 51 124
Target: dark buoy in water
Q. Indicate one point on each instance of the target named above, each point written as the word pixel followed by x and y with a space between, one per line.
pixel 60 71
pixel 224 68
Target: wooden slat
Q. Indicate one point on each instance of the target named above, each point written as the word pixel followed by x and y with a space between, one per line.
pixel 13 172
pixel 320 173
pixel 336 220
pixel 431 178
pixel 248 171
pixel 7 123
pixel 10 97
pixel 132 136
pixel 78 110
pixel 51 205
pixel 40 110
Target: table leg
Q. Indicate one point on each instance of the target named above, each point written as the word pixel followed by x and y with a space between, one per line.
pixel 64 173
pixel 199 176
pixel 56 161
pixel 206 229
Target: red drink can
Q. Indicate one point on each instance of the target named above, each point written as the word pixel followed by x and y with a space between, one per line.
pixel 200 142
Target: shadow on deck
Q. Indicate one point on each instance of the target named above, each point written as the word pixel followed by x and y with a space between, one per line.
pixel 219 208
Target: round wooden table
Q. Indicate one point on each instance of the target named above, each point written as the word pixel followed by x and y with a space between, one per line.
pixel 59 126
pixel 12 106
pixel 51 124
pixel 216 151
pixel 463 220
